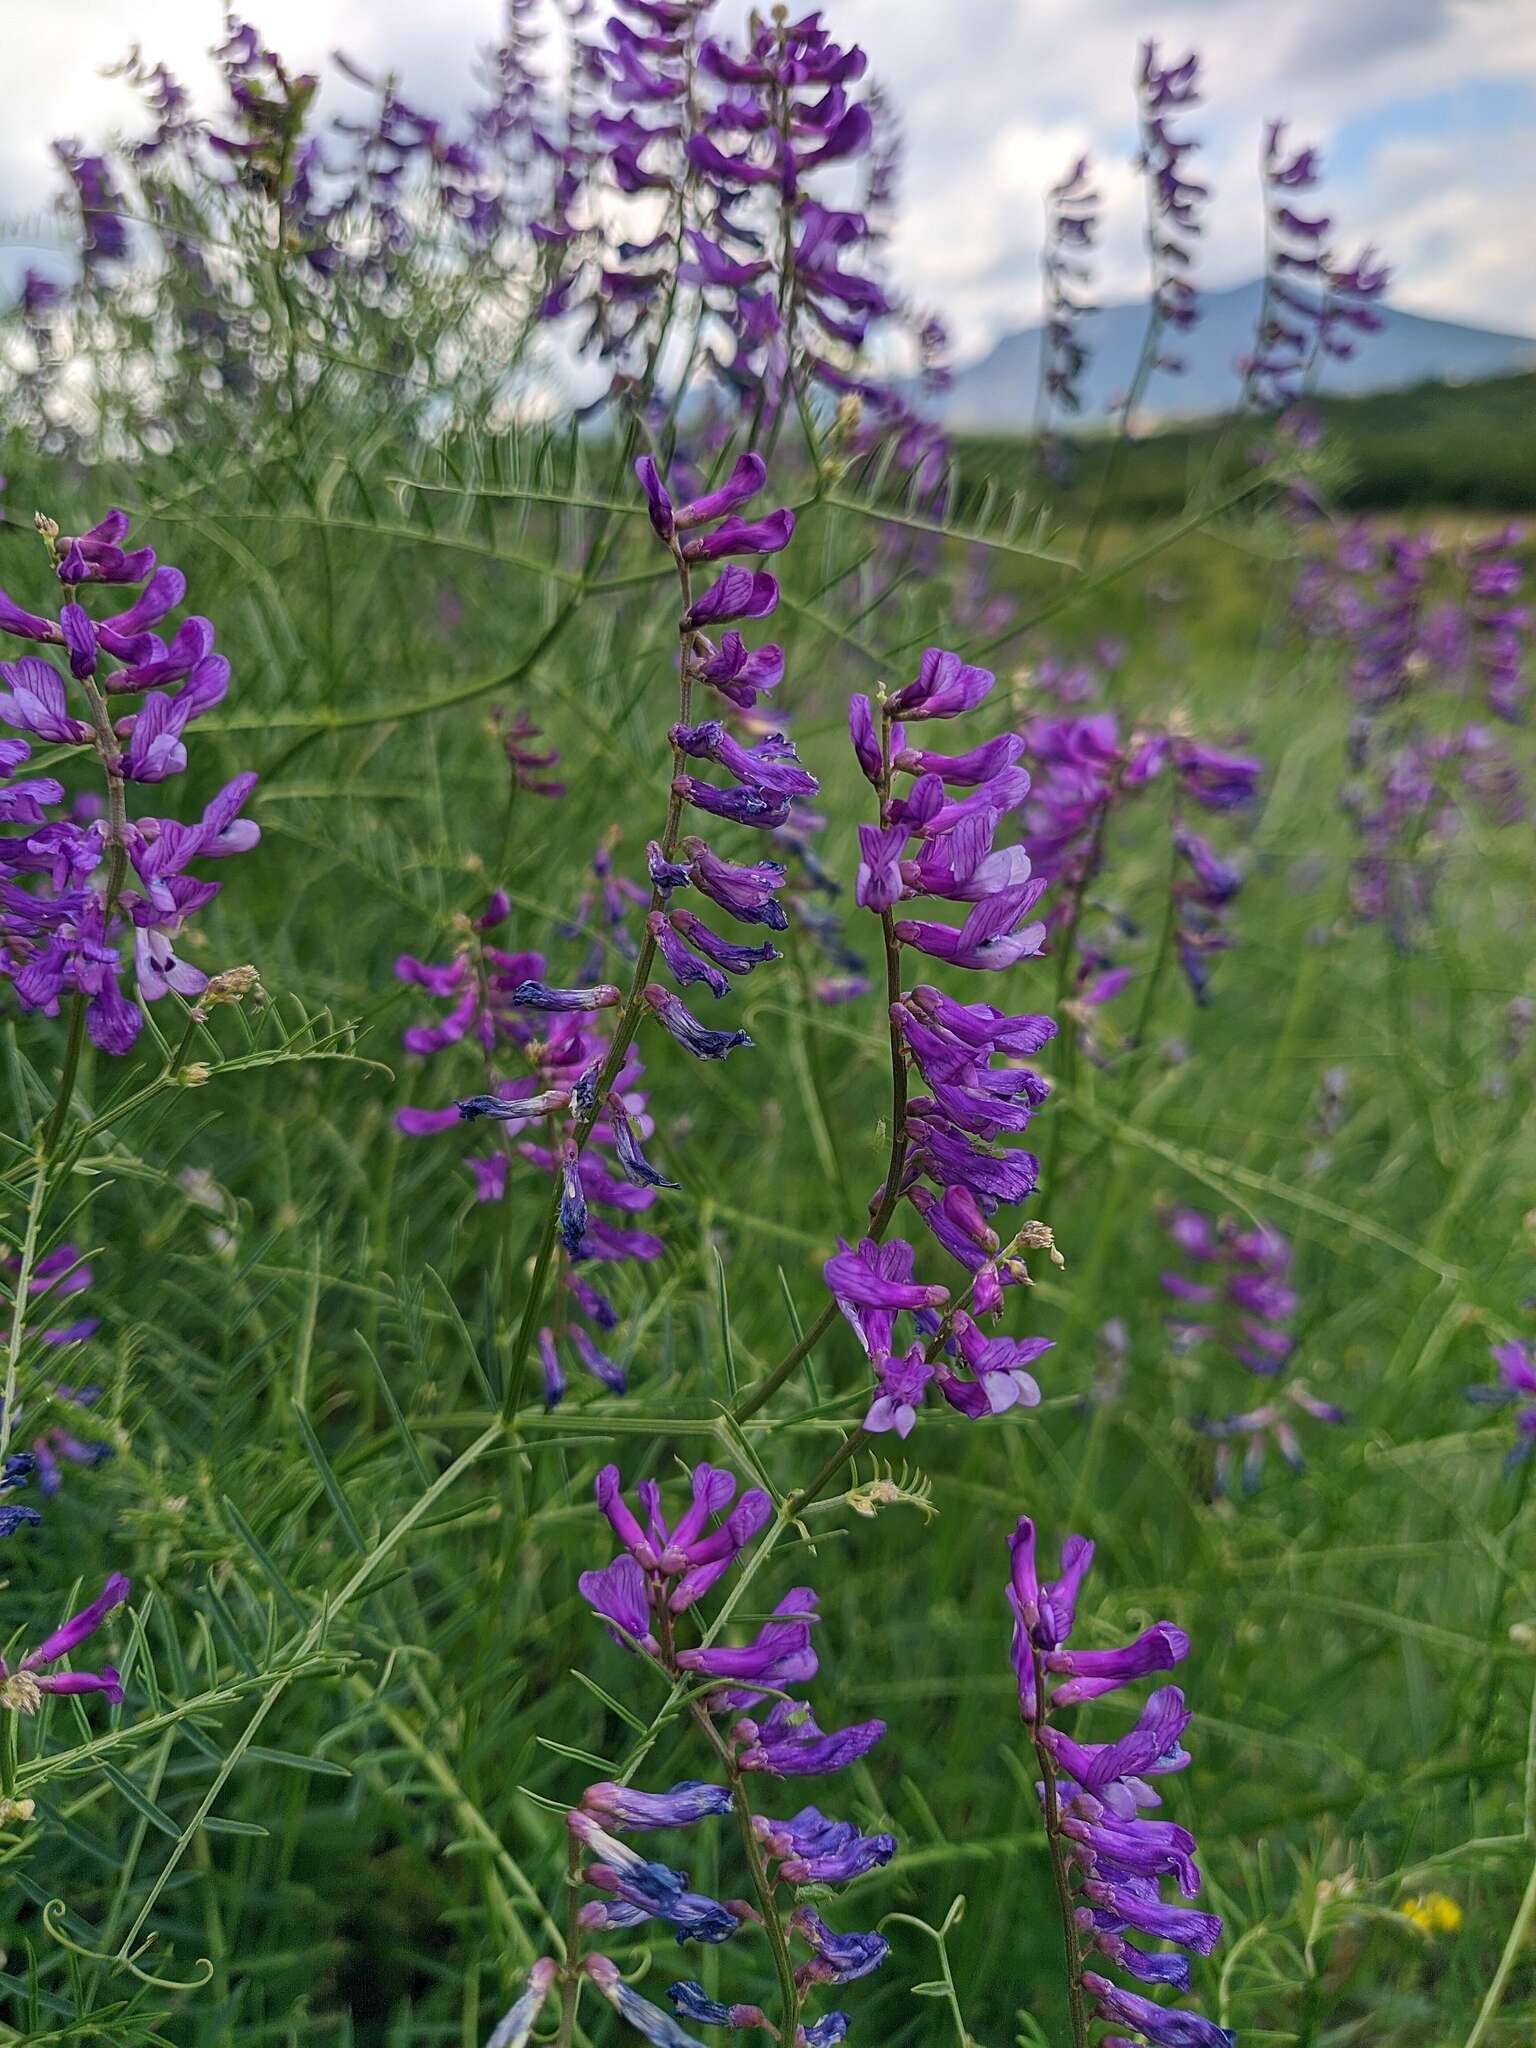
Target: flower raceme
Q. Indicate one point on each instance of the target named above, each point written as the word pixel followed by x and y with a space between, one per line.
pixel 1095 1796
pixel 1239 1297
pixel 664 1567
pixel 936 836
pixel 82 882
pixel 536 1045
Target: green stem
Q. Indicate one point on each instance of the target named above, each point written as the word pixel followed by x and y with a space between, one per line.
pixel 752 1848
pixel 1525 1918
pixel 570 1975
pixel 624 1031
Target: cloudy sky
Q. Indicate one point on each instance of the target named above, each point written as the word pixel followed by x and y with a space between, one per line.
pixel 1425 109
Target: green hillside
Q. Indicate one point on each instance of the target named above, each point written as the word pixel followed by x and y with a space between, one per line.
pixel 1437 445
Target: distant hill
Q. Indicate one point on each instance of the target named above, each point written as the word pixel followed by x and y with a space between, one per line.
pixel 1432 447
pixel 997 394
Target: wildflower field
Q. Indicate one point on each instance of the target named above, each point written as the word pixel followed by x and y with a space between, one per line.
pixel 768 1188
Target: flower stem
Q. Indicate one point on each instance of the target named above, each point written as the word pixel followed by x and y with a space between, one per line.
pixel 570 1975
pixel 624 1031
pixel 773 1926
pixel 1076 2004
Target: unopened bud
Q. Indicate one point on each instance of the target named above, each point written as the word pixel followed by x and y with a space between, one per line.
pixel 232 986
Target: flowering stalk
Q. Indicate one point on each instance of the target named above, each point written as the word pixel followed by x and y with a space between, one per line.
pixel 766 778
pixel 642 1597
pixel 1172 222
pixel 1106 1860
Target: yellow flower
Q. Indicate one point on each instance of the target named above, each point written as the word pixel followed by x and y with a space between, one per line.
pixel 1433 1914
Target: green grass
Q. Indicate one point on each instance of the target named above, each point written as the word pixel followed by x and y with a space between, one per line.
pixel 370 1588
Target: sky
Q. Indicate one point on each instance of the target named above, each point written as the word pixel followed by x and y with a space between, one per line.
pixel 1425 111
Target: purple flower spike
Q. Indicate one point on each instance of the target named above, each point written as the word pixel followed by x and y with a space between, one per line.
pixel 1099 1790
pixel 686 1028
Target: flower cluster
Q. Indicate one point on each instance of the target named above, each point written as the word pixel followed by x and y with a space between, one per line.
pixel 1423 629
pixel 1165 91
pixel 79 885
pixel 62 1274
pixel 1516 1385
pixel 1071 222
pixel 643 1597
pixel 22 1689
pixel 536 1044
pixel 766 780
pixel 1095 1796
pixel 528 763
pixel 1244 1303
pixel 1498 625
pixel 778 269
pixel 1308 296
pixel 1083 774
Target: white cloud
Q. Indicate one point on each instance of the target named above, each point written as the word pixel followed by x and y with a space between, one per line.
pixel 996 96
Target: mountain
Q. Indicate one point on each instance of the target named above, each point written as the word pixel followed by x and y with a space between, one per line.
pixel 997 394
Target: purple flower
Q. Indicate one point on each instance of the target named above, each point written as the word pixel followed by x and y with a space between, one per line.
pixel 836 1958
pixel 1516 1384
pixel 515 2027
pixel 690 2000
pixel 20 1689
pixel 648 2020
pixel 901 1383
pixel 815 1850
pixel 745 892
pixel 734 594
pixel 538 995
pixel 693 1036
pixel 743 537
pixel 780 1655
pixel 943 687
pixel 623 1807
pixel 994 935
pixel 1158 2024
pixel 789 1744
